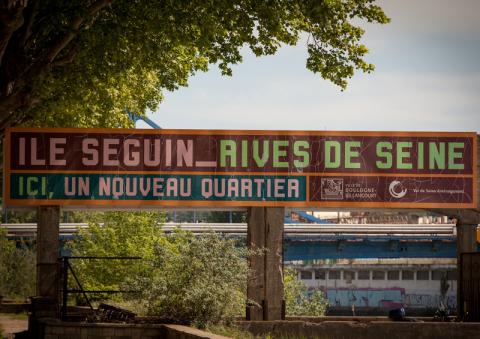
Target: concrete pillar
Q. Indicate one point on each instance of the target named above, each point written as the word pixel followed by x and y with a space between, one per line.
pixel 48 250
pixel 466 242
pixel 265 284
pixel 274 221
pixel 256 279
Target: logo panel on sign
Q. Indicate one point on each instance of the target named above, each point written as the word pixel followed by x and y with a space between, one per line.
pixel 332 189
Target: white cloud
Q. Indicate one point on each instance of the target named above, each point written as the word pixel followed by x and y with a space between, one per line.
pixel 389 101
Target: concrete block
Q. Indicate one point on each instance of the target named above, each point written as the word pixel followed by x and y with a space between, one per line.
pixel 152 332
pixel 108 331
pixel 123 332
pixel 83 333
pixel 54 330
pixel 67 336
pixel 362 330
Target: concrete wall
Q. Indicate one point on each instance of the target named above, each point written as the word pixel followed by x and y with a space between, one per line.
pixel 54 329
pixel 11 307
pixel 362 330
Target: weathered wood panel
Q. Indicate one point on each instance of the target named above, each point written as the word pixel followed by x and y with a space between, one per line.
pixel 265 283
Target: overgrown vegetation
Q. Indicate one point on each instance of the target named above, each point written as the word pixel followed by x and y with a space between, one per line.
pixel 115 234
pixel 197 280
pixel 181 278
pixel 299 300
pixel 17 269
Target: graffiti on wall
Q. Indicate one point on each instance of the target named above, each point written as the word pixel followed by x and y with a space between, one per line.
pixel 366 297
pixel 385 298
pixel 429 300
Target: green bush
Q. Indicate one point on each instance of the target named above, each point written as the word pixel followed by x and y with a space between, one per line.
pixel 299 301
pixel 17 269
pixel 181 278
pixel 114 234
pixel 197 279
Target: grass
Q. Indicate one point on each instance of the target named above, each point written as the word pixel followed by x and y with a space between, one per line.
pixel 20 316
pixel 237 333
pixel 230 331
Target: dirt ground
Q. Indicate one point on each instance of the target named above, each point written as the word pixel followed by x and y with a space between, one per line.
pixel 12 323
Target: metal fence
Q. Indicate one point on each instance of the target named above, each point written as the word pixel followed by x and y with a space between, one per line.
pixel 66 267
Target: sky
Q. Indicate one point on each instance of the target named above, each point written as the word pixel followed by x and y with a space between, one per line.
pixel 427 78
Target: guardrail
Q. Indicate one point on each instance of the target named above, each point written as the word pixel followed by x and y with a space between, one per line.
pixel 290 229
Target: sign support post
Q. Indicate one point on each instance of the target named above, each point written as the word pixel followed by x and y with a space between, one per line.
pixel 265 284
pixel 466 243
pixel 467 223
pixel 48 246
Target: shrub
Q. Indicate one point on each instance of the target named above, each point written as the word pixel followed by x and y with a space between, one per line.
pixel 17 269
pixel 181 278
pixel 114 234
pixel 197 279
pixel 299 301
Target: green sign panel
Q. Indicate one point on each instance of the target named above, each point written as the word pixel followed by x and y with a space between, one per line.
pixel 137 187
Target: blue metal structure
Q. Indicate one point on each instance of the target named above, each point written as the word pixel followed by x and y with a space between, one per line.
pixel 306 242
pixel 135 117
pixel 342 247
pixel 310 218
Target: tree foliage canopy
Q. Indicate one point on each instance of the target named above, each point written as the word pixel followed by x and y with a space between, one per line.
pixel 82 62
pixel 299 301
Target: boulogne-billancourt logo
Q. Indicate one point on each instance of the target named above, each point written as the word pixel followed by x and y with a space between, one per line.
pixel 332 188
pixel 397 190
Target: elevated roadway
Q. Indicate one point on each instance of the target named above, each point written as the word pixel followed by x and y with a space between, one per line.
pixel 342 230
pixel 306 242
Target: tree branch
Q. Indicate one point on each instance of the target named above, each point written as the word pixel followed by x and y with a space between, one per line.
pixel 11 19
pixel 20 95
pixel 68 58
pixel 74 28
pixel 12 102
pixel 30 14
pixel 16 107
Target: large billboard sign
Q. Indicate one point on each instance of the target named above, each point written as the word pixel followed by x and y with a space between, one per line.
pixel 120 168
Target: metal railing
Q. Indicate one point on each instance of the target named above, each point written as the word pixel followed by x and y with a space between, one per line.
pixel 67 267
